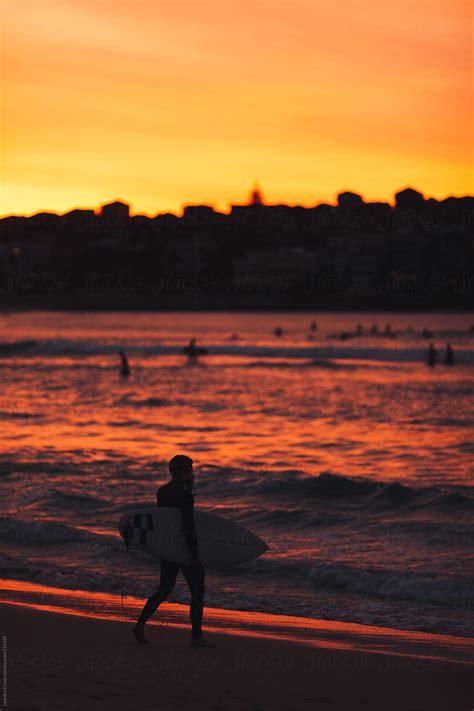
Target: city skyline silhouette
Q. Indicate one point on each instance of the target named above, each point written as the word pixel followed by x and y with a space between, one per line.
pixel 256 196
pixel 352 254
pixel 165 102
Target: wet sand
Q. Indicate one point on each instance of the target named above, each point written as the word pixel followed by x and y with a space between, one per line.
pixel 75 662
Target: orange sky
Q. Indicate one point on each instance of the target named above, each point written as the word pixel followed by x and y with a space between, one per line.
pixel 166 102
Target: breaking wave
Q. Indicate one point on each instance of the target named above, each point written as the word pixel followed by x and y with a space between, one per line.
pixel 317 355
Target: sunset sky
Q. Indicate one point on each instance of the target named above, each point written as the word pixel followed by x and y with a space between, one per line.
pixel 169 102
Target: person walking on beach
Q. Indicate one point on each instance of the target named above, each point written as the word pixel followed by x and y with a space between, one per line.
pixel 178 494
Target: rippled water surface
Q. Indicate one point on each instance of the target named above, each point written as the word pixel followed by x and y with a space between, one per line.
pixel 349 455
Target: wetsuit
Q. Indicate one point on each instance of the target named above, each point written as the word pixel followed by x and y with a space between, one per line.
pixel 175 495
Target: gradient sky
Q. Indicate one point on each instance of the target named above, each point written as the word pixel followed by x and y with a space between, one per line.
pixel 168 102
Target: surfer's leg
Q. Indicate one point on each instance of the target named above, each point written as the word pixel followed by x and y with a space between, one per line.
pixel 168 574
pixel 195 577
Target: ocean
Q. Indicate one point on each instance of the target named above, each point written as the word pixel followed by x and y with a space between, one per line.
pixel 348 454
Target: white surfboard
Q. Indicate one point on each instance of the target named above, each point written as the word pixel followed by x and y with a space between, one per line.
pixel 159 531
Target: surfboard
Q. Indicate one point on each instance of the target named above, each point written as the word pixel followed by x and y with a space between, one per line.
pixel 159 531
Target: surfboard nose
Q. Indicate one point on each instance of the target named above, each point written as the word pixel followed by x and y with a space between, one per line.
pixel 262 547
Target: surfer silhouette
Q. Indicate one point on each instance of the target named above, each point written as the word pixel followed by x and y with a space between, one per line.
pixel 449 357
pixel 178 494
pixel 431 355
pixel 193 352
pixel 124 366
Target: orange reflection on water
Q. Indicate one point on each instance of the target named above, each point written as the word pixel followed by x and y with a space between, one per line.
pixel 384 419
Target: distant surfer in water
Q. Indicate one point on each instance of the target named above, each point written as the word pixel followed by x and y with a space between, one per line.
pixel 124 366
pixel 192 351
pixel 431 356
pixel 178 494
pixel 449 357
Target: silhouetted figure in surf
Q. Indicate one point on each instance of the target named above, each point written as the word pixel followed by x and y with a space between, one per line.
pixel 178 494
pixel 124 366
pixel 373 329
pixel 431 356
pixel 313 327
pixel 278 331
pixel 426 333
pixel 449 357
pixel 193 352
pixel 359 330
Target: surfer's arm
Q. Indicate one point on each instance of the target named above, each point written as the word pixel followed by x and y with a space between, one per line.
pixel 189 527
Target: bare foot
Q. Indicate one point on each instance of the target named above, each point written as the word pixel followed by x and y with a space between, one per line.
pixel 201 642
pixel 139 633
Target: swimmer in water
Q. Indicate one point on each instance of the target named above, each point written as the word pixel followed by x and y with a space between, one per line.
pixel 192 351
pixel 124 366
pixel 449 357
pixel 431 356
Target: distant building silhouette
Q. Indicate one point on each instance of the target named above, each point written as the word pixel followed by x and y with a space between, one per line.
pixel 115 211
pixel 256 196
pixel 255 203
pixel 198 213
pixel 44 219
pixel 78 217
pixel 408 199
pixel 265 266
pixel 349 200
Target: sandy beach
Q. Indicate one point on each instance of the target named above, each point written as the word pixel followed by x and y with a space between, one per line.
pixel 73 662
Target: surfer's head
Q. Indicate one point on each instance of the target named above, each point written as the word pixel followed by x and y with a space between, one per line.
pixel 181 468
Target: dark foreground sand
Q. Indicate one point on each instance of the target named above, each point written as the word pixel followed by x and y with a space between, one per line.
pixel 59 661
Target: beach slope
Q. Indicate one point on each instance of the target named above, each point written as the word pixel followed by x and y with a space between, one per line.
pixel 74 662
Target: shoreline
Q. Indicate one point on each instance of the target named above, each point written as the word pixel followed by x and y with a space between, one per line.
pixel 69 661
pixel 312 633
